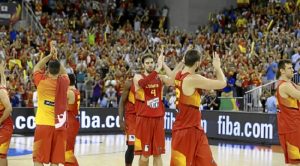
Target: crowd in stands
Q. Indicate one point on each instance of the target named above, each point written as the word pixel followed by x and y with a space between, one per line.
pixel 102 43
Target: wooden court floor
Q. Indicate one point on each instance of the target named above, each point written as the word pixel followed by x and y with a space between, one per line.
pixel 108 150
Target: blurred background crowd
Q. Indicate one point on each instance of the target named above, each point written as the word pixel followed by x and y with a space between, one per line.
pixel 103 48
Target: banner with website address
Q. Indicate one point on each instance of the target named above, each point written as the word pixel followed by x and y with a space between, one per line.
pixel 249 127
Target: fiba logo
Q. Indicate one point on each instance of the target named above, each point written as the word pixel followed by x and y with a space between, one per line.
pixel 21 122
pixel 246 129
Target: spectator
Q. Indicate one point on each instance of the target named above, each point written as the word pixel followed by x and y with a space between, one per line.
pixel 271 103
pixel 271 69
pixel 111 94
pixel 97 90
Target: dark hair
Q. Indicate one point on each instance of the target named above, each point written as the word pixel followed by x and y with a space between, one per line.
pixel 281 65
pixel 54 67
pixel 72 79
pixel 191 57
pixel 146 56
pixel 273 91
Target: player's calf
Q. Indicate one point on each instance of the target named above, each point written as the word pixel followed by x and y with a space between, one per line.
pixel 144 160
pixel 157 160
pixel 129 155
pixel 3 161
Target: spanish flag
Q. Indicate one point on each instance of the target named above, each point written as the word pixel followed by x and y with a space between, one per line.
pixel 14 62
pixel 29 63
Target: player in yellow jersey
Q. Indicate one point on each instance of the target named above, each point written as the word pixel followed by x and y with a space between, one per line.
pixel 49 143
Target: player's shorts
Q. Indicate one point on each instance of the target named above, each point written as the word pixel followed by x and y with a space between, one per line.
pixel 290 144
pixel 130 120
pixel 49 145
pixel 190 147
pixel 150 136
pixel 72 131
pixel 5 136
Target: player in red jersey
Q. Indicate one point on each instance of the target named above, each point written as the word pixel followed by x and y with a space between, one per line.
pixel 288 117
pixel 127 103
pixel 189 142
pixel 6 122
pixel 150 134
pixel 73 121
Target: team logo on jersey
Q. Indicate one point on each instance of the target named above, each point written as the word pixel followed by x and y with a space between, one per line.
pixel 49 103
pixel 131 138
pixel 153 103
pixel 146 148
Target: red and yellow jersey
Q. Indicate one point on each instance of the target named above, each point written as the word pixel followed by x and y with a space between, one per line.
pixel 46 91
pixel 288 117
pixel 188 106
pixel 73 109
pixel 148 100
pixel 129 106
pixel 8 120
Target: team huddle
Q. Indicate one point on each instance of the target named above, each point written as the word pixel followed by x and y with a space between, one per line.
pixel 141 112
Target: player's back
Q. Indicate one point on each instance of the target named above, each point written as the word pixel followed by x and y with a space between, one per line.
pixel 46 90
pixel 130 101
pixel 73 109
pixel 289 115
pixel 148 101
pixel 7 121
pixel 188 106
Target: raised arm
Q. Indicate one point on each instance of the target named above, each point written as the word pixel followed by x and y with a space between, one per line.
pixel 287 89
pixel 62 70
pixel 2 74
pixel 53 55
pixel 201 82
pixel 41 64
pixel 171 74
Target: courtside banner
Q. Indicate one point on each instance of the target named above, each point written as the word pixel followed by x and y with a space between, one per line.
pixel 239 126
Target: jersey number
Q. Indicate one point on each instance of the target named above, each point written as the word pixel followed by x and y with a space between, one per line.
pixel 177 96
pixel 153 92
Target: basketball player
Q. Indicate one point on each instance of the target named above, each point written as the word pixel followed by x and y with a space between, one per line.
pixel 288 117
pixel 49 141
pixel 189 142
pixel 127 103
pixel 6 122
pixel 150 134
pixel 72 122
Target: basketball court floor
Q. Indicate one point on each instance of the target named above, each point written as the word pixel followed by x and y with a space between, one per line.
pixel 108 150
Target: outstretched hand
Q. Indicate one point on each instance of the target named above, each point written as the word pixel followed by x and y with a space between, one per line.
pixel 53 50
pixel 160 62
pixel 2 66
pixel 216 61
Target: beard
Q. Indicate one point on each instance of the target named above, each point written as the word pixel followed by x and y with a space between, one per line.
pixel 149 70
